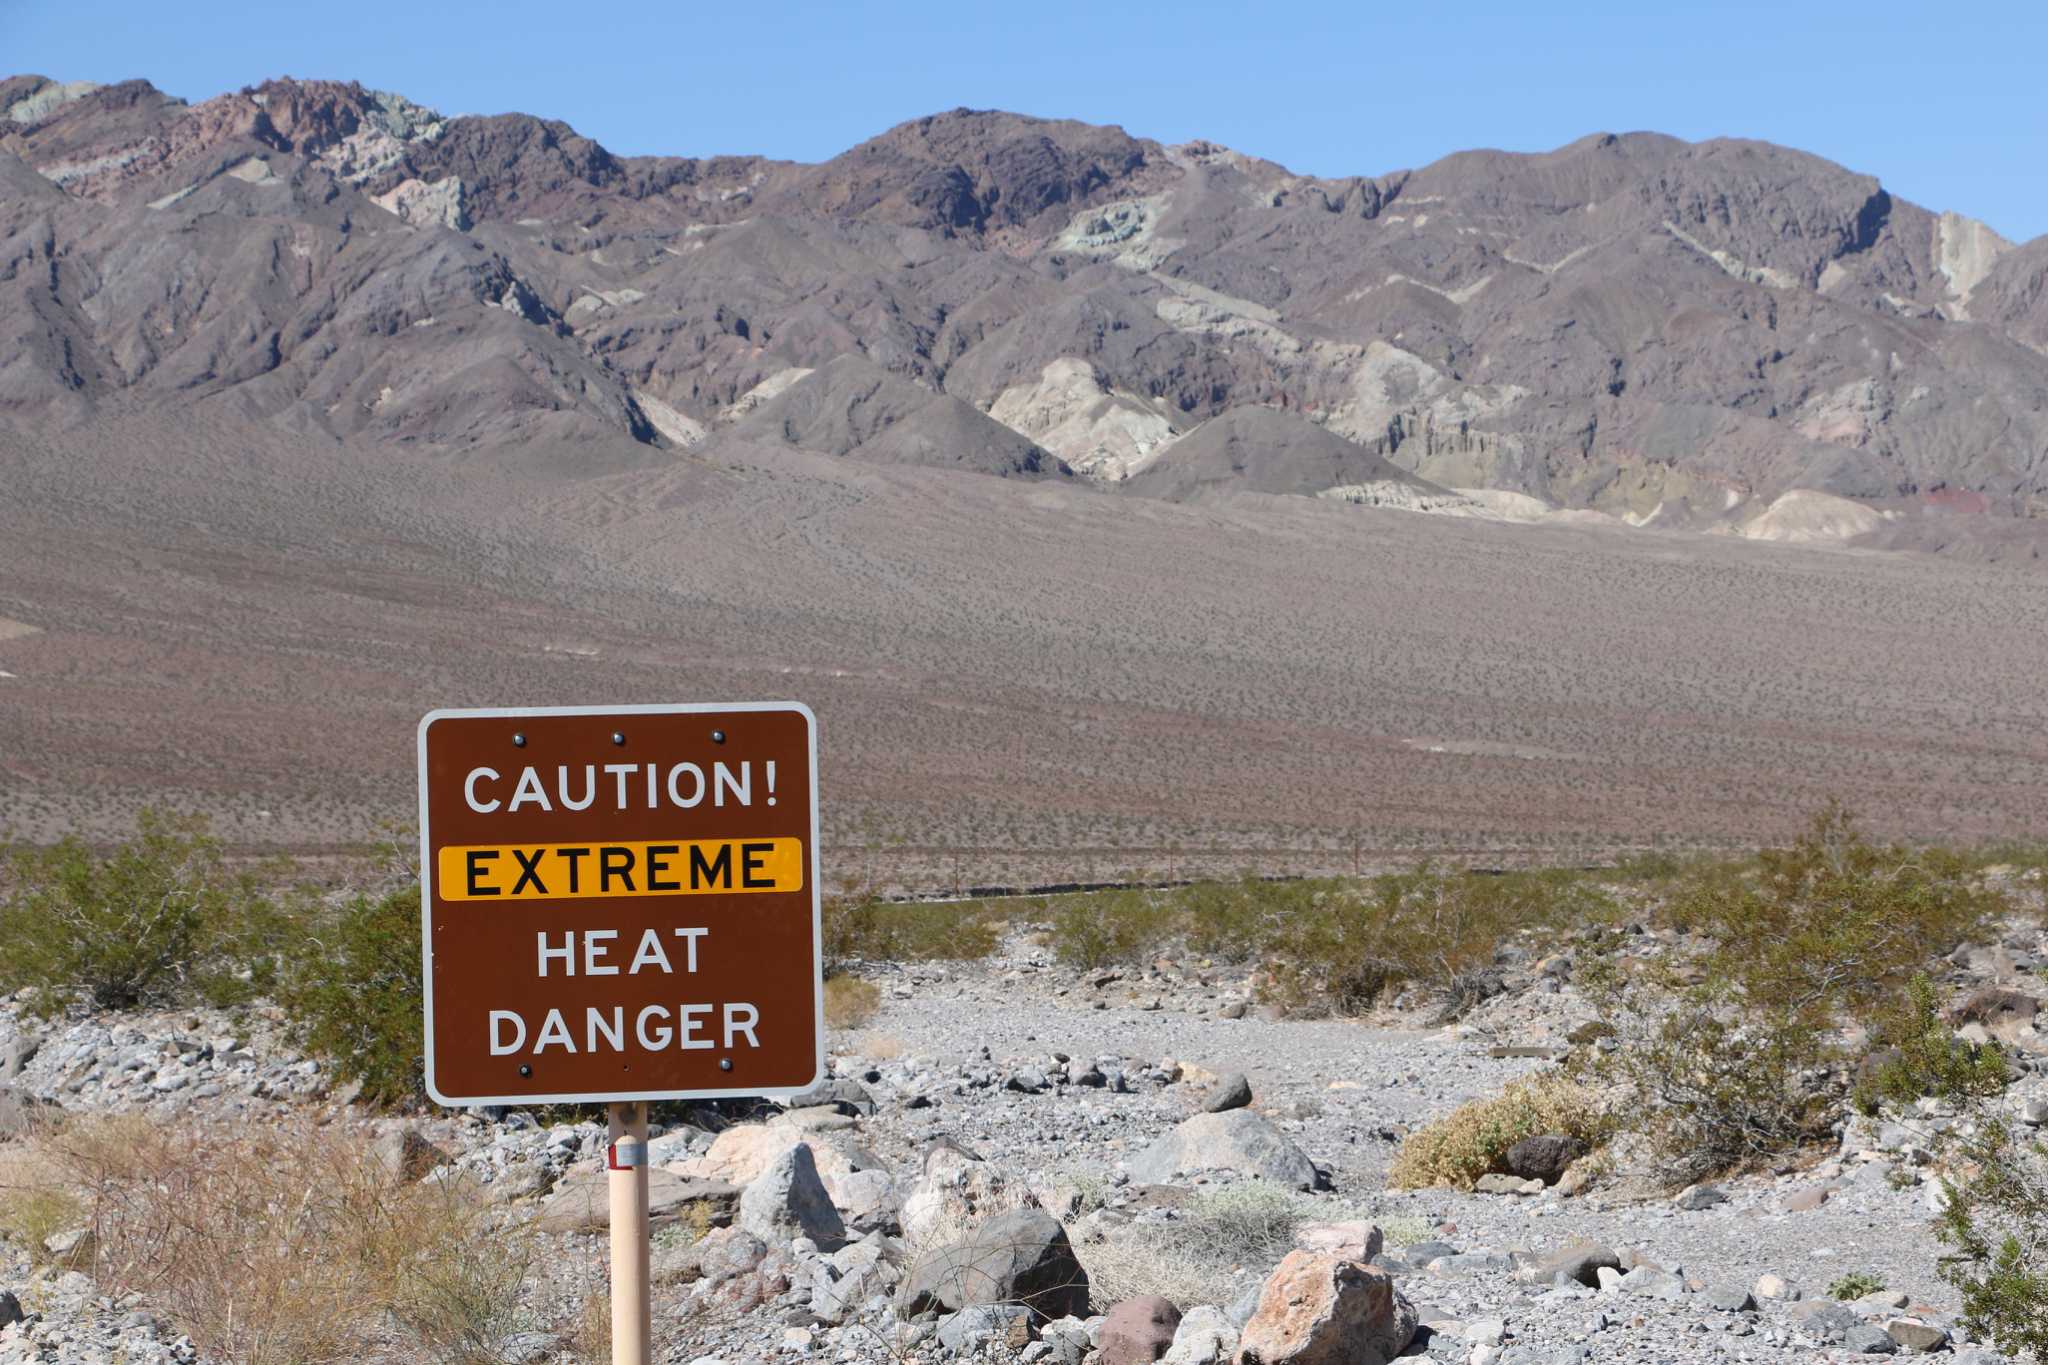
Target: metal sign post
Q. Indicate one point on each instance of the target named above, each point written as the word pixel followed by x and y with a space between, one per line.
pixel 620 905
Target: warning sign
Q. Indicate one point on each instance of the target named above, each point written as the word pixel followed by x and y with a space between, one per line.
pixel 620 903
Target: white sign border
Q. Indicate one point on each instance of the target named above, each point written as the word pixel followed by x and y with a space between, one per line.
pixel 427 905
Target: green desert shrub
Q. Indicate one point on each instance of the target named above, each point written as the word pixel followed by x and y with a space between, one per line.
pixel 861 927
pixel 1745 1060
pixel 1835 924
pixel 1992 1172
pixel 1440 930
pixel 1106 927
pixel 1473 1139
pixel 354 995
pixel 158 919
pixel 1855 1285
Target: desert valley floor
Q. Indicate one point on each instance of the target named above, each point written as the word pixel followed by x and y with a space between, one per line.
pixel 1016 682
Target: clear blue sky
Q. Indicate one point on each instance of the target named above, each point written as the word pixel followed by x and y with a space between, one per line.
pixel 1944 103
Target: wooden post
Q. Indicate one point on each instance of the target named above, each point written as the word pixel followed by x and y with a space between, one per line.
pixel 626 1179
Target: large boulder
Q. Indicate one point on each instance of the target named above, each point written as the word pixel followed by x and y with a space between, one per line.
pixel 1138 1331
pixel 1020 1256
pixel 739 1155
pixel 742 1152
pixel 957 1190
pixel 788 1200
pixel 1239 1140
pixel 1322 1310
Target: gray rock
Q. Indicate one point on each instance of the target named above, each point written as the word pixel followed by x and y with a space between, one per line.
pixel 726 1253
pixel 1915 1335
pixel 1206 1336
pixel 1695 1197
pixel 1544 1157
pixel 1495 1182
pixel 788 1200
pixel 1027 1080
pixel 1578 1261
pixel 1826 1320
pixel 853 1275
pixel 1486 1331
pixel 10 1308
pixel 68 1244
pixel 1019 1256
pixel 1240 1141
pixel 1005 1324
pixel 868 1200
pixel 1232 1092
pixel 1726 1298
pixel 1868 1339
pixel 1653 1284
pixel 1241 1309
pixel 1068 1338
pixel 17 1055
pixel 1422 1253
pixel 848 1097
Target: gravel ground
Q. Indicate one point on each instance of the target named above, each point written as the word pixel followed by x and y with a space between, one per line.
pixel 992 1055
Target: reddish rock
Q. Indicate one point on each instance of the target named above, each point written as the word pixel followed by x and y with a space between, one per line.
pixel 1353 1240
pixel 1323 1310
pixel 1138 1331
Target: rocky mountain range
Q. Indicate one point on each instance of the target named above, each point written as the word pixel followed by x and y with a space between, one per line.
pixel 1726 336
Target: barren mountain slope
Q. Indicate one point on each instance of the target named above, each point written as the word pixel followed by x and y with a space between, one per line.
pixel 1671 333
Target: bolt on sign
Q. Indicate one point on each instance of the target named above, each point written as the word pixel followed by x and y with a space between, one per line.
pixel 620 903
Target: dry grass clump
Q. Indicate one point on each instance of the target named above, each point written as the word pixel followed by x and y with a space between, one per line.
pixel 1473 1140
pixel 35 1203
pixel 290 1245
pixel 850 1002
pixel 1204 1255
pixel 1130 1261
pixel 590 1335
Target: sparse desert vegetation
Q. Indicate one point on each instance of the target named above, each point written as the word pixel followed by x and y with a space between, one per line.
pixel 1596 1037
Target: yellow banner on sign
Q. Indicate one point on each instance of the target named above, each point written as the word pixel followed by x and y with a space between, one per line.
pixel 701 867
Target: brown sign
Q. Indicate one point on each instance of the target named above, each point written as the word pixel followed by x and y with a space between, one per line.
pixel 620 903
